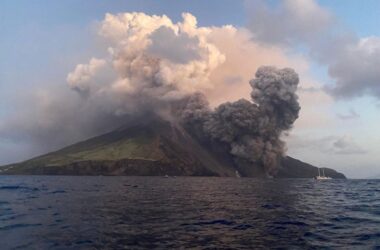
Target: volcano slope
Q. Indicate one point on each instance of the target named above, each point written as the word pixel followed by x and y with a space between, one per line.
pixel 153 148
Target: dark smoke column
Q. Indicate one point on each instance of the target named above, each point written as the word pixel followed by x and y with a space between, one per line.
pixel 250 129
pixel 274 91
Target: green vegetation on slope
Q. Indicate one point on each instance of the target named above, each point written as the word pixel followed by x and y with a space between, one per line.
pixel 152 148
pixel 132 144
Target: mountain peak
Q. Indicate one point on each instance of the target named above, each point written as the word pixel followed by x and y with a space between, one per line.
pixel 151 147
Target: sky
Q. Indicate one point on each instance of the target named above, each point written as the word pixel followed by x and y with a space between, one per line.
pixel 334 47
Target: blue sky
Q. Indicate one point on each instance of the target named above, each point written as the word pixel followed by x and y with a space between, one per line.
pixel 360 16
pixel 42 41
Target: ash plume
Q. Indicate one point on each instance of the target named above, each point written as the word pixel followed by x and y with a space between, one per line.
pixel 252 129
pixel 164 69
pixel 156 68
pixel 151 62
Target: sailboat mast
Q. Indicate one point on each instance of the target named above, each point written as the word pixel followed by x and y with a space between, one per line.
pixel 319 173
pixel 323 171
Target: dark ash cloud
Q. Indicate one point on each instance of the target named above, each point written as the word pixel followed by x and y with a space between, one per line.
pixel 252 129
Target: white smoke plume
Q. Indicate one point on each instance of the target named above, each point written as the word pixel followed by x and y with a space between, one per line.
pixel 81 77
pixel 151 61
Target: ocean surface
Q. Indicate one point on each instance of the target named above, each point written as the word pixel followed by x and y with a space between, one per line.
pixel 51 212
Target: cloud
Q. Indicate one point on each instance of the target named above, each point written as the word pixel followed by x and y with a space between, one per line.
pixel 351 115
pixel 355 69
pixel 346 145
pixel 181 48
pixel 232 79
pixel 80 78
pixel 289 22
pixel 336 145
pixel 153 58
pixel 309 89
pixel 316 106
pixel 351 61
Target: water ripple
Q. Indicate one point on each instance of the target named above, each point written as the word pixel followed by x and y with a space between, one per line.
pixel 166 213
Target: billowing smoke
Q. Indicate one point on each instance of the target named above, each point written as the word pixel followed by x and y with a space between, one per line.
pixel 151 62
pixel 252 129
pixel 149 65
pixel 157 67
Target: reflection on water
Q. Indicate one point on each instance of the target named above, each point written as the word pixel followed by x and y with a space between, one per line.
pixel 154 212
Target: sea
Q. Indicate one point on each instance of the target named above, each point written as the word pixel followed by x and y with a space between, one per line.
pixel 67 212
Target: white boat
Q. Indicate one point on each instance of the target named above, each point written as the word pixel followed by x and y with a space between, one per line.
pixel 323 176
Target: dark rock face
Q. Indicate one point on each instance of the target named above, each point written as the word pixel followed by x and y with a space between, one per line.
pixel 153 149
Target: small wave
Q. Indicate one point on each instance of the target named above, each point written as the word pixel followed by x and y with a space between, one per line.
pixel 348 219
pixel 213 222
pixel 10 187
pixel 17 187
pixel 130 185
pixel 58 192
pixel 270 206
pixel 243 227
pixel 83 242
pixel 365 237
pixel 220 222
pixel 14 226
pixel 315 236
pixel 293 223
